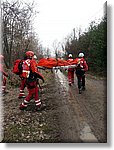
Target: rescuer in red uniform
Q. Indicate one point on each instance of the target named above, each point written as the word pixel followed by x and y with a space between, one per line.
pixel 23 80
pixel 31 74
pixel 23 84
pixel 70 70
pixel 81 68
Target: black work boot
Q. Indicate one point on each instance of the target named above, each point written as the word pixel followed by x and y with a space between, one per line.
pixel 80 91
pixel 83 88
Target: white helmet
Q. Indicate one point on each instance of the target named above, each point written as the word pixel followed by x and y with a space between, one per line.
pixel 70 55
pixel 81 55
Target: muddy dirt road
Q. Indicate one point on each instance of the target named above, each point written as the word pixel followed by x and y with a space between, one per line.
pixel 83 117
pixel 68 117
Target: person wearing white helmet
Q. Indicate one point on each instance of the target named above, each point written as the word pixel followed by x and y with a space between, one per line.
pixel 70 55
pixel 81 68
pixel 80 55
pixel 70 70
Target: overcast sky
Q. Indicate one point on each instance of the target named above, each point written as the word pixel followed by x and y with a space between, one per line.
pixel 57 18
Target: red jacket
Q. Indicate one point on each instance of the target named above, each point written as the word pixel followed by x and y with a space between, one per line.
pixel 82 63
pixel 30 65
pixel 70 60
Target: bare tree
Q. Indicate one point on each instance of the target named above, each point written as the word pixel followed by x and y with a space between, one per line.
pixel 16 24
pixel 57 45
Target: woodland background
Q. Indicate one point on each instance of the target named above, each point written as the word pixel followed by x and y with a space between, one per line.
pixel 18 37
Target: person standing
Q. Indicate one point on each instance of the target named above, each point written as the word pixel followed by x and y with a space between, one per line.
pixel 70 70
pixel 23 80
pixel 81 68
pixel 31 74
pixel 23 83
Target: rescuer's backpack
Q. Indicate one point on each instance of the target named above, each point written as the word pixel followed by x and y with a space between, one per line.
pixel 26 68
pixel 17 68
pixel 22 68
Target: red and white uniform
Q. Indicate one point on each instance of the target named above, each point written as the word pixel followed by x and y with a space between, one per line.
pixel 32 86
pixel 25 74
pixel 81 68
pixel 22 87
pixel 82 63
pixel 70 71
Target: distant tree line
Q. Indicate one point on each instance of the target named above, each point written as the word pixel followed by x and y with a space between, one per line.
pixel 94 45
pixel 17 32
pixel 18 37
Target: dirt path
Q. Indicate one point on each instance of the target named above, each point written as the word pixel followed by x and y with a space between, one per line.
pixel 83 116
pixel 68 117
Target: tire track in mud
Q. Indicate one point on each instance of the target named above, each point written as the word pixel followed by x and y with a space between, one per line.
pixel 82 122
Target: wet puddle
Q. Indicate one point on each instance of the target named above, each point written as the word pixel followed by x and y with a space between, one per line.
pixel 86 134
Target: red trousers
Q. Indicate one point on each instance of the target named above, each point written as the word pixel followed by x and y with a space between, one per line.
pixel 32 92
pixel 23 84
pixel 71 76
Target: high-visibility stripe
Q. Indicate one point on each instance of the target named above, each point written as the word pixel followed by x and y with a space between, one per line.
pixel 21 90
pixel 25 101
pixel 37 104
pixel 22 93
pixel 24 105
pixel 3 86
pixel 26 71
pixel 37 101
